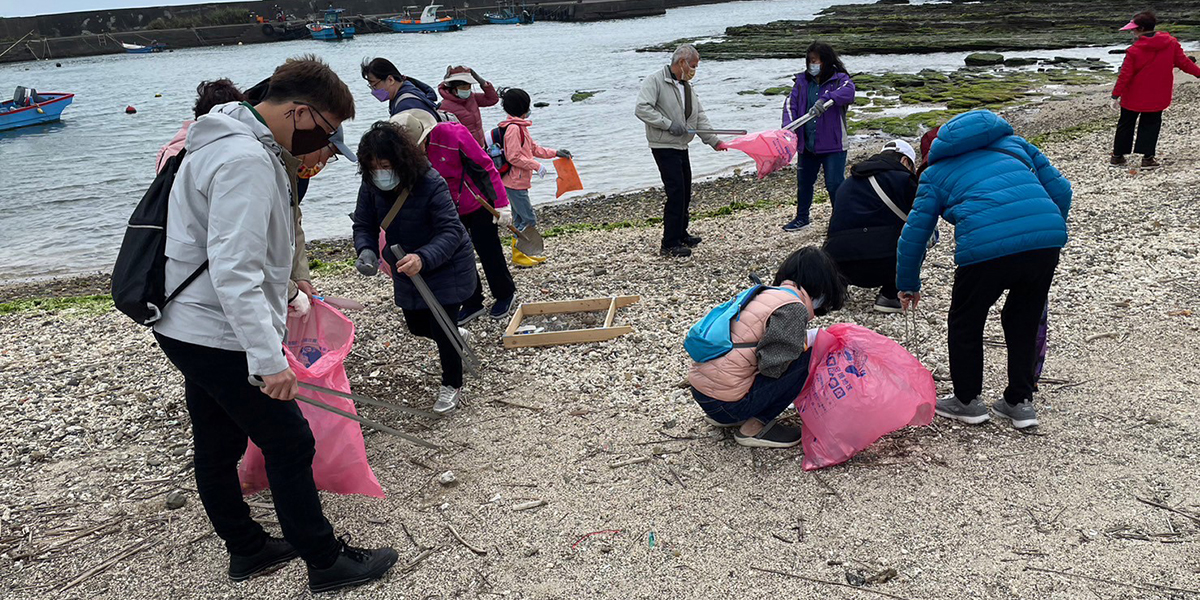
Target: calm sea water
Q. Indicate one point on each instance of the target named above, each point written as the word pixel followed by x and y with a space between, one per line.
pixel 67 189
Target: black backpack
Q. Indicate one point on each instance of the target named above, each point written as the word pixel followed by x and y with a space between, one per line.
pixel 139 277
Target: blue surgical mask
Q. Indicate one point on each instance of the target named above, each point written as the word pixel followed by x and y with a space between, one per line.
pixel 814 69
pixel 464 94
pixel 385 179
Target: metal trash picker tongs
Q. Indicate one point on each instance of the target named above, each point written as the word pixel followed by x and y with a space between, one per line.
pixel 450 328
pixel 257 381
pixel 810 115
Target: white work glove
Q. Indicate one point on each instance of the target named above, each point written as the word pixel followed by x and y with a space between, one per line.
pixel 1116 104
pixel 504 219
pixel 367 263
pixel 300 305
pixel 541 171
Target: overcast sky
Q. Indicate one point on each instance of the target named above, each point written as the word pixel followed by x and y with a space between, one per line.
pixel 25 8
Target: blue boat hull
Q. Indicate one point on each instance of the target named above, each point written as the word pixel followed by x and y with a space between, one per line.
pixel 450 25
pixel 330 35
pixel 52 109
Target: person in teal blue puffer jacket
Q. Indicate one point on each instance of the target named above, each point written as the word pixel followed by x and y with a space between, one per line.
pixel 1009 208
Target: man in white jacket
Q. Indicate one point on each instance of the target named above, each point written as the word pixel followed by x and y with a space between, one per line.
pixel 230 217
pixel 670 109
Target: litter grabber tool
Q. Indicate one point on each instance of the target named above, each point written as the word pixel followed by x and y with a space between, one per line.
pixel 341 303
pixel 808 116
pixel 719 131
pixel 449 327
pixel 529 241
pixel 365 400
pixel 257 381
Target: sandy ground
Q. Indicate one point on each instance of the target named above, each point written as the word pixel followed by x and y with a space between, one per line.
pixel 94 435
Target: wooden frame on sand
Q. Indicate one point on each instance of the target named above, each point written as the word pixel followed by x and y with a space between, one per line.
pixel 571 336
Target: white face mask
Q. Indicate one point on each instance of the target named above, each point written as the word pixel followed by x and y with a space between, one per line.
pixel 385 179
pixel 814 69
pixel 818 301
pixel 461 93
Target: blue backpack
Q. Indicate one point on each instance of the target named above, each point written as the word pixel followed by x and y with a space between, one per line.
pixel 709 338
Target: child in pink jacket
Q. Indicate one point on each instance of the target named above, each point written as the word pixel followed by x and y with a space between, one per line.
pixel 520 151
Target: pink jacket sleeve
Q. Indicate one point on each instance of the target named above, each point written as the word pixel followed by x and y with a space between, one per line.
pixel 518 154
pixel 489 97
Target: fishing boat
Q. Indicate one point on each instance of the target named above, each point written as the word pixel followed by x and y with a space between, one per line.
pixel 150 49
pixel 428 22
pixel 28 107
pixel 332 28
pixel 509 15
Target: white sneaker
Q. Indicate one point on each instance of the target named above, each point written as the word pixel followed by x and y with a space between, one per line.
pixel 447 399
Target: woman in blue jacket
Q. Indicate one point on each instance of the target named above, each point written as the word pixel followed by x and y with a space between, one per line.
pixel 822 141
pixel 428 228
pixel 1009 207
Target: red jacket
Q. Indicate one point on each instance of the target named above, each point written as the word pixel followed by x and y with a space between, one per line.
pixel 1147 77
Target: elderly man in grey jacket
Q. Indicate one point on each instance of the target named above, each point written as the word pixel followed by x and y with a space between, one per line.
pixel 230 220
pixel 669 107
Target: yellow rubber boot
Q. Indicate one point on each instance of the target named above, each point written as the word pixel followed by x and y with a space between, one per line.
pixel 519 259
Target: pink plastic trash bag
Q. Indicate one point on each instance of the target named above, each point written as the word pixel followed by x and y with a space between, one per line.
pixel 771 150
pixel 316 348
pixel 861 386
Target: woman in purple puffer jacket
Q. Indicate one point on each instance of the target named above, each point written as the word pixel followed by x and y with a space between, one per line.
pixel 822 141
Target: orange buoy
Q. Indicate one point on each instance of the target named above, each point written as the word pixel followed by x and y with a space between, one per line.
pixel 129 110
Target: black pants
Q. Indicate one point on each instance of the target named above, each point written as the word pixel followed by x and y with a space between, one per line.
pixel 487 246
pixel 422 323
pixel 876 272
pixel 1148 125
pixel 225 410
pixel 676 172
pixel 1027 277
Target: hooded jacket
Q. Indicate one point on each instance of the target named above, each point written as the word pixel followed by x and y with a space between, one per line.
pixel 469 172
pixel 999 203
pixel 230 205
pixel 467 110
pixel 426 226
pixel 831 125
pixel 1147 78
pixel 414 94
pixel 862 227
pixel 520 151
pixel 660 103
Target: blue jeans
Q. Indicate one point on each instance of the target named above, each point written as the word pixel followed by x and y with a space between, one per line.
pixel 766 399
pixel 810 165
pixel 523 215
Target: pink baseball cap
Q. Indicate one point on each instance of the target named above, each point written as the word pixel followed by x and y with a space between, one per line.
pixel 1131 26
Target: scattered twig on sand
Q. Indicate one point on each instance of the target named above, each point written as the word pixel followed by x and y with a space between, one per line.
pixel 517 404
pixel 416 561
pixel 826 485
pixel 460 539
pixel 529 505
pixel 200 537
pixel 1181 513
pixel 826 582
pixel 127 552
pixel 588 535
pixel 82 534
pixel 1148 587
pixel 628 461
pixel 1066 385
pixel 1097 336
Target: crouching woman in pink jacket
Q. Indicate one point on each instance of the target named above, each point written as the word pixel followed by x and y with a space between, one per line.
pixel 761 376
pixel 474 182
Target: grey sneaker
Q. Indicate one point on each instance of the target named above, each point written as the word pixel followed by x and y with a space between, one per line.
pixel 972 413
pixel 447 399
pixel 1022 415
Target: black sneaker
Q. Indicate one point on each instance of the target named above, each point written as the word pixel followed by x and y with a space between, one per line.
pixel 466 315
pixel 887 305
pixel 502 308
pixel 773 435
pixel 676 252
pixel 354 566
pixel 691 241
pixel 1149 162
pixel 273 555
pixel 1117 160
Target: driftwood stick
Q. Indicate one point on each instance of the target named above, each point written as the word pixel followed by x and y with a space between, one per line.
pixel 826 582
pixel 416 561
pixel 1168 508
pixel 1149 587
pixel 460 539
pixel 129 550
pixel 627 462
pixel 1107 334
